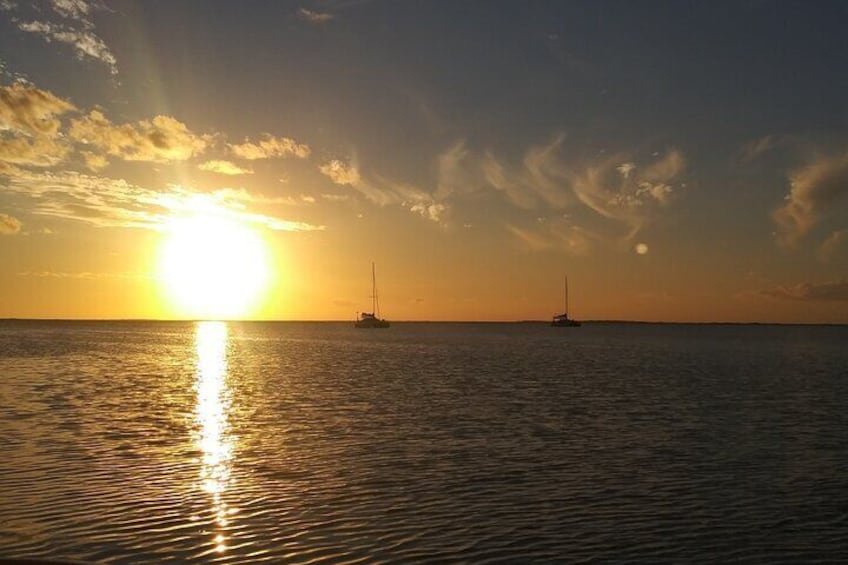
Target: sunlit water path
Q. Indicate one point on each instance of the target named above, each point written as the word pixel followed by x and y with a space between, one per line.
pixel 311 443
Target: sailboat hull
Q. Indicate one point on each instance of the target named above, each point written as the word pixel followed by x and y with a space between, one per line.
pixel 566 324
pixel 370 323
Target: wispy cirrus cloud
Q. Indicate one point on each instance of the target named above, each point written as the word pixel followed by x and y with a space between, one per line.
pixel 758 147
pixel 629 191
pixel 158 140
pixel 85 275
pixel 334 197
pixel 815 191
pixel 559 234
pixel 270 146
pixel 108 202
pixel 69 22
pixel 833 244
pixel 7 169
pixel 223 167
pixel 807 291
pixel 383 191
pixel 315 17
pixel 631 195
pixel 85 43
pixel 74 9
pixel 9 225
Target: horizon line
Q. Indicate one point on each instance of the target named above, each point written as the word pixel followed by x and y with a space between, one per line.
pixel 590 321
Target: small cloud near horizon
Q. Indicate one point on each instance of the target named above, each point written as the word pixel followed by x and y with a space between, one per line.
pixel 807 291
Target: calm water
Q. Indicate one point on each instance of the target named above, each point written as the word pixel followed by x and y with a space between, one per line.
pixel 311 443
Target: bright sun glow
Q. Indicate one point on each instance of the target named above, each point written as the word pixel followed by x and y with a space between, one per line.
pixel 213 267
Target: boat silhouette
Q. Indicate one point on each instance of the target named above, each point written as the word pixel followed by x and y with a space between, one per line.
pixel 562 320
pixel 372 320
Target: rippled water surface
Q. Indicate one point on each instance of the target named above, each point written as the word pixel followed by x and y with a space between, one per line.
pixel 310 443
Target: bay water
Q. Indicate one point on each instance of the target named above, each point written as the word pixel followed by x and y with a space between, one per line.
pixel 141 442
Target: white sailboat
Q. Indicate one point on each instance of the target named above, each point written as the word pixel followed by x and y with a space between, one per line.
pixel 372 320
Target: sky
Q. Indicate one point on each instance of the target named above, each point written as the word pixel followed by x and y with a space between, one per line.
pixel 677 161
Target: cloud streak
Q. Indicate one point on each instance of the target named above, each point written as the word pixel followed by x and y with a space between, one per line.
pixel 38 152
pixel 85 43
pixel 223 167
pixel 84 275
pixel 807 291
pixel 270 146
pixel 75 28
pixel 314 17
pixel 108 202
pixel 815 190
pixel 73 9
pixel 833 244
pixel 618 189
pixel 629 191
pixel 384 192
pixel 560 235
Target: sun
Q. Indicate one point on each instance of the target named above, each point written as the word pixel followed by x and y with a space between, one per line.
pixel 213 267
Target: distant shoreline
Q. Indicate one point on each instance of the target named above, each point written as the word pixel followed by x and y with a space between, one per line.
pixel 528 322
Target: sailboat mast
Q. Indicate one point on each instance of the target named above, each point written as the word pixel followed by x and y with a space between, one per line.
pixel 373 290
pixel 566 295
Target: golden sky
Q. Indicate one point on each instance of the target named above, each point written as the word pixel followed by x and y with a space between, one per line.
pixel 205 160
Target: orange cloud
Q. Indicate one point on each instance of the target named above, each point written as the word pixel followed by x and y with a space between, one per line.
pixel 108 202
pixel 158 140
pixel 9 225
pixel 223 167
pixel 37 152
pixel 341 173
pixel 270 146
pixel 30 110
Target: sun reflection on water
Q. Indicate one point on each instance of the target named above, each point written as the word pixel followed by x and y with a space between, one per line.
pixel 213 405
